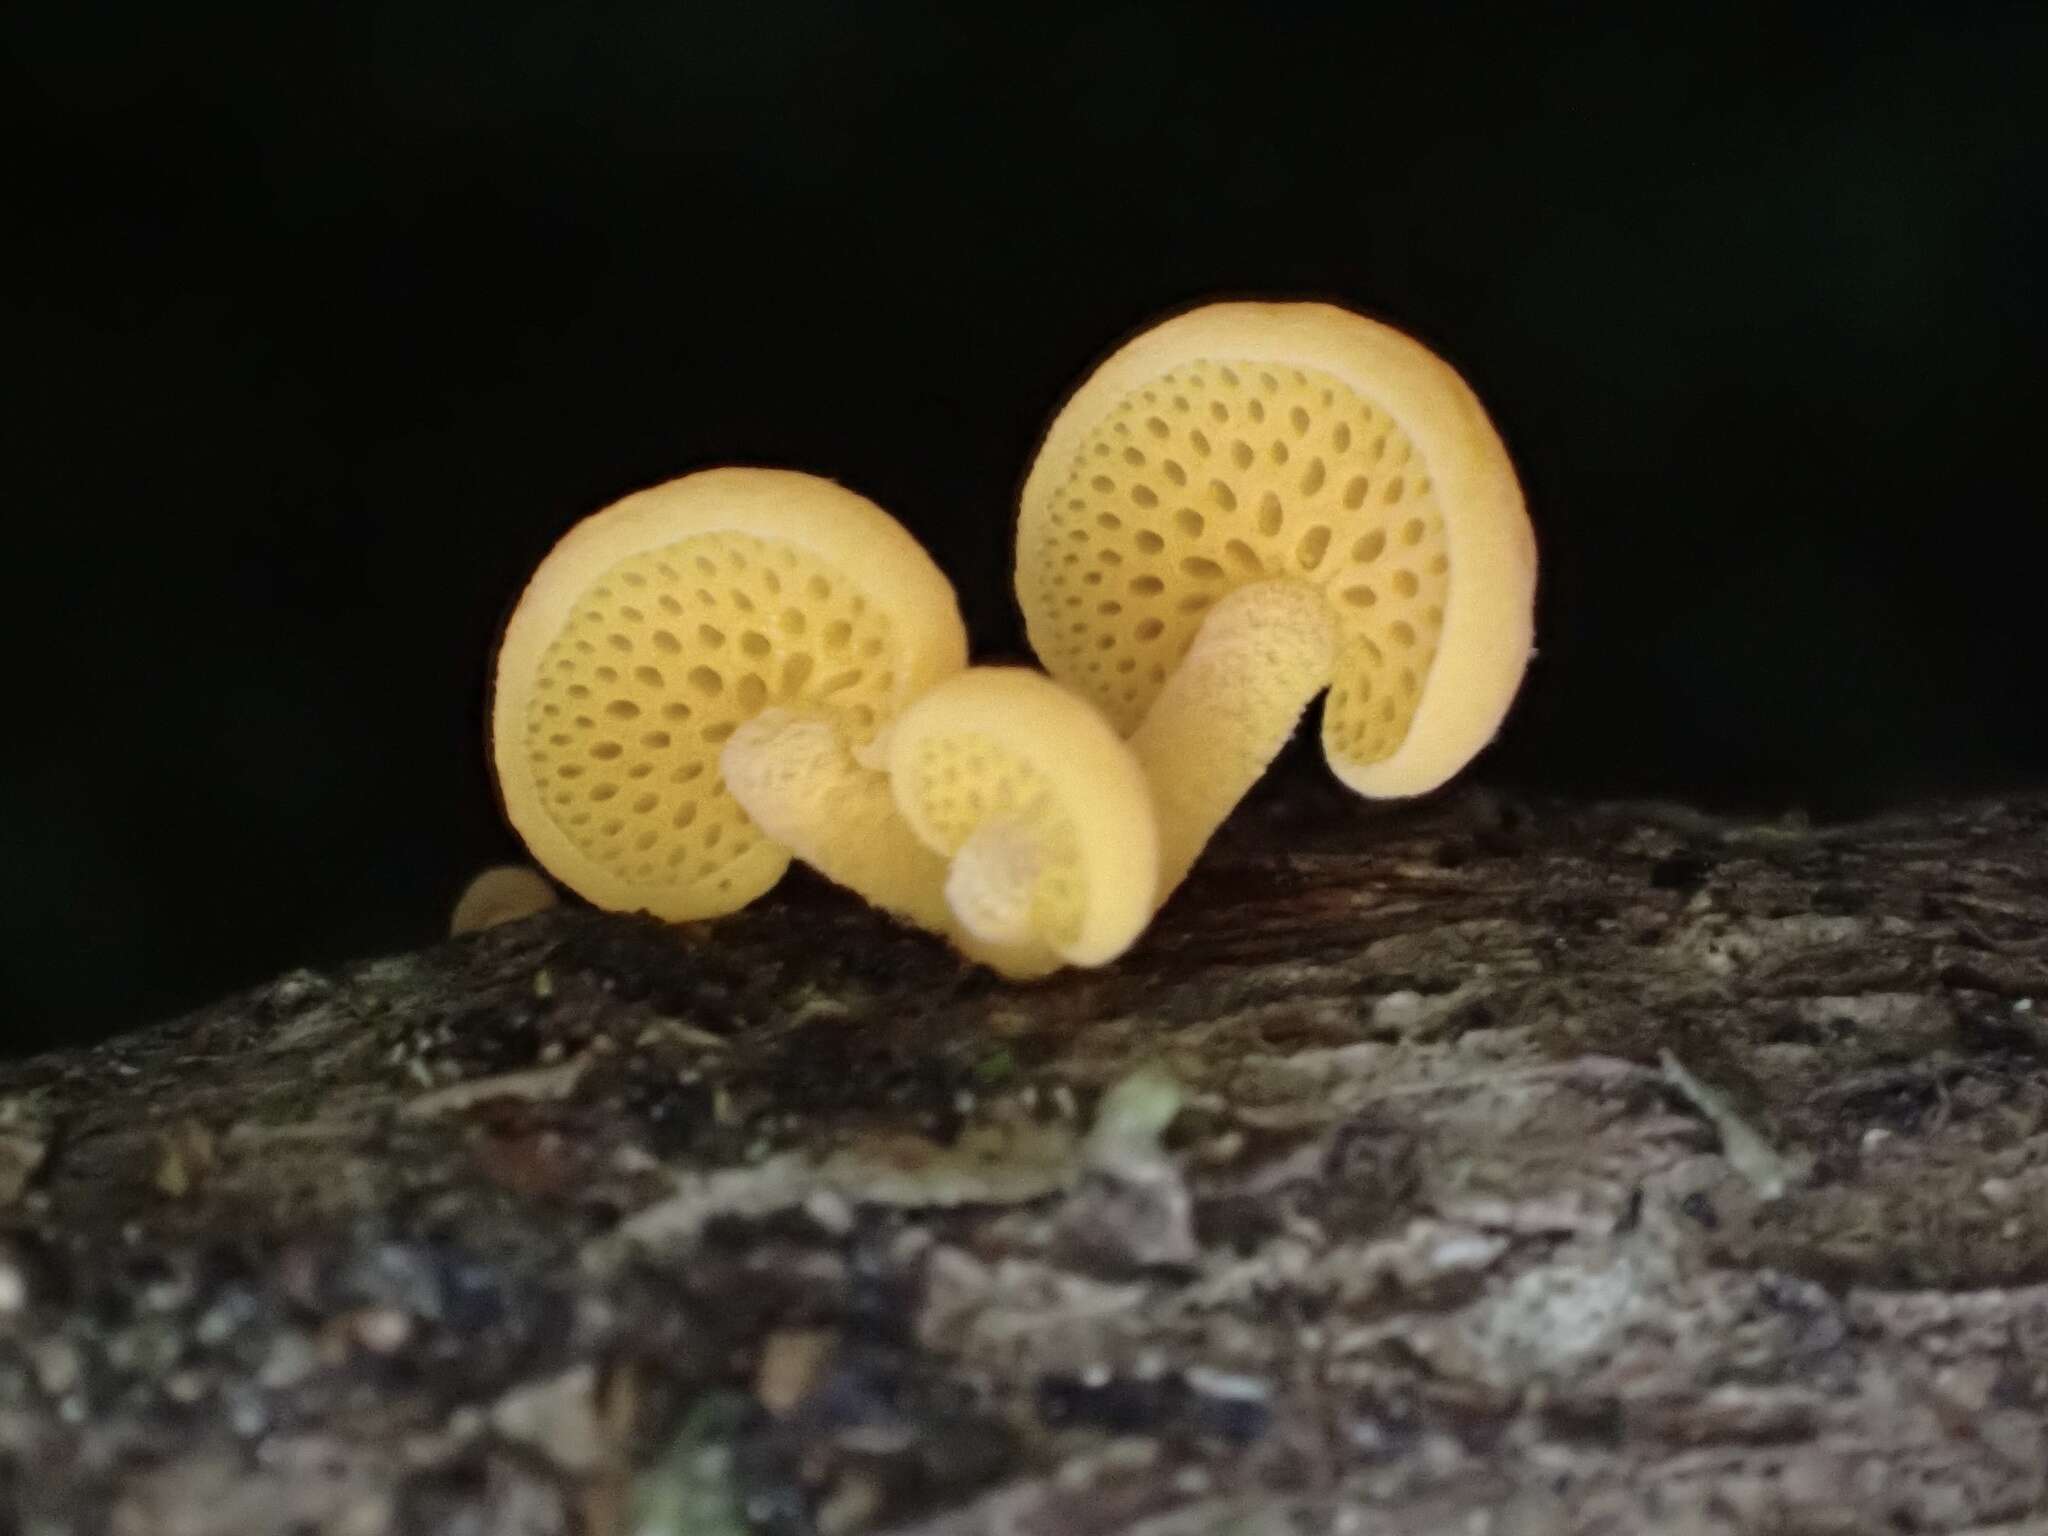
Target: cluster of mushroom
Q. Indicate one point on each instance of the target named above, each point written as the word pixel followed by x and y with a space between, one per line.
pixel 1241 508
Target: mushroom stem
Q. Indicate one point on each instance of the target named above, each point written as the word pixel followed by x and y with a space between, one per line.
pixel 1260 656
pixel 990 884
pixel 990 888
pixel 804 787
pixel 795 776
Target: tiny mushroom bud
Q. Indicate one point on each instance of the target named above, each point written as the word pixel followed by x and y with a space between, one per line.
pixel 502 894
pixel 1042 812
pixel 657 629
pixel 1251 503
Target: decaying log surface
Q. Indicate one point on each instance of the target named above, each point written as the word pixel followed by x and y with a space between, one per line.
pixel 790 1223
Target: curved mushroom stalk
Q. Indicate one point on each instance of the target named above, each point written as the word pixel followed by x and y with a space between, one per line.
pixel 1261 656
pixel 800 783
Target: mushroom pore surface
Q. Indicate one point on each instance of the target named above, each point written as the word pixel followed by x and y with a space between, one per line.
pixel 662 657
pixel 1219 473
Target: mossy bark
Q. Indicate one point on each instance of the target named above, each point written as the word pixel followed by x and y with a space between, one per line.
pixel 791 1222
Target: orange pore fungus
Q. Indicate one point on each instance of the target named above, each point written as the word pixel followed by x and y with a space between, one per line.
pixel 661 626
pixel 1250 504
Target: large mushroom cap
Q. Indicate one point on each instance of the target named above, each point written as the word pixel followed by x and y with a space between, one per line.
pixel 1241 442
pixel 1042 808
pixel 660 624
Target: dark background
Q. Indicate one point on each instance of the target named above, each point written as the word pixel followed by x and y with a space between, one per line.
pixel 320 330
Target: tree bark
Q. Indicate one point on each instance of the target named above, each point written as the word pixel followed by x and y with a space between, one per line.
pixel 1526 1168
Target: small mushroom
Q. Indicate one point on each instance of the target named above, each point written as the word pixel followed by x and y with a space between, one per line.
pixel 1251 503
pixel 1010 818
pixel 504 893
pixel 657 629
pixel 1042 813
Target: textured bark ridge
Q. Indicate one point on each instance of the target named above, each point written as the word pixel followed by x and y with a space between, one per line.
pixel 1482 1167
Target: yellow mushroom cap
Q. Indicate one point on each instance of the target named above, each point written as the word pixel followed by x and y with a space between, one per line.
pixel 1041 806
pixel 504 893
pixel 1244 442
pixel 659 625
